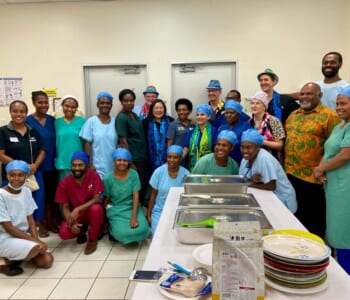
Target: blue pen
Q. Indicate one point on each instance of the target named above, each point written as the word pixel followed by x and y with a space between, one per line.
pixel 179 268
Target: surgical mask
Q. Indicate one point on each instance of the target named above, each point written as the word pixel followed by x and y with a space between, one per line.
pixel 15 188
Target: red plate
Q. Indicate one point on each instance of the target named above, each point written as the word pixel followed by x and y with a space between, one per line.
pixel 281 260
pixel 281 266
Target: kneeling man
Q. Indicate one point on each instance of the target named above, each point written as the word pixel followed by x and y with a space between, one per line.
pixel 79 193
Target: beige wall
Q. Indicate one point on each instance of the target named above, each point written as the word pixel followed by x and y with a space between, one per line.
pixel 47 44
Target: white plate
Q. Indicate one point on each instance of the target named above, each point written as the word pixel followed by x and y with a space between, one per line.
pixel 296 247
pixel 289 290
pixel 202 256
pixel 176 296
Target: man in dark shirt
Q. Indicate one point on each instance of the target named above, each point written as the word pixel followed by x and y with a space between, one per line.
pixel 279 105
pixel 217 104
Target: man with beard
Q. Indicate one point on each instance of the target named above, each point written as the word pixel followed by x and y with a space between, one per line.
pixel 332 83
pixel 307 130
pixel 219 162
pixel 79 193
pixel 279 105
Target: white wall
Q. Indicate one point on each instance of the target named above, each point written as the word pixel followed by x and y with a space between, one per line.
pixel 47 44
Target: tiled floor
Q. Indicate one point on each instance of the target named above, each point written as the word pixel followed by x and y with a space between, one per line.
pixel 101 275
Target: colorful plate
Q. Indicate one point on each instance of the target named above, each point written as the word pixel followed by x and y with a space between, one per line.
pixel 297 276
pixel 314 279
pixel 298 263
pixel 296 285
pixel 301 233
pixel 293 268
pixel 295 291
pixel 296 248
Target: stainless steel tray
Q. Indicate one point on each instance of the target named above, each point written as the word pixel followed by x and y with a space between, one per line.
pixel 218 200
pixel 215 184
pixel 201 234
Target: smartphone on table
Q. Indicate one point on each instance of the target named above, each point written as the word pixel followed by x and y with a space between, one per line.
pixel 145 275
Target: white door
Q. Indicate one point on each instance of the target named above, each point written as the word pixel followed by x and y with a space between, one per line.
pixel 190 80
pixel 113 79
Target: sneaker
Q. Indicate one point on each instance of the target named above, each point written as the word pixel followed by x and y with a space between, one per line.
pixel 13 268
pixel 91 247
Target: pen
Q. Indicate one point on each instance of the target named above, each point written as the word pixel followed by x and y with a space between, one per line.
pixel 179 268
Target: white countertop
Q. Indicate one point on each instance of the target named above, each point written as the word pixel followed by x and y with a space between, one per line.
pixel 165 247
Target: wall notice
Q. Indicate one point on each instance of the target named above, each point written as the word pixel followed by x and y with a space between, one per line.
pixel 10 89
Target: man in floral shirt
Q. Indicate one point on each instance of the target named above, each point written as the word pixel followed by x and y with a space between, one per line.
pixel 307 130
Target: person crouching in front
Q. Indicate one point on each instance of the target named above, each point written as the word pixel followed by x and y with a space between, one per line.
pixel 18 234
pixel 80 193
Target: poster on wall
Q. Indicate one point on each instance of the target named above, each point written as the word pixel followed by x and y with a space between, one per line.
pixel 10 89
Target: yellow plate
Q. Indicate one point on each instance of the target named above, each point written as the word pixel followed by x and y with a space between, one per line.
pixel 299 233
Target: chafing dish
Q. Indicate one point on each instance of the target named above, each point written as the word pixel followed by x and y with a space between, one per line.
pixel 201 232
pixel 215 184
pixel 218 200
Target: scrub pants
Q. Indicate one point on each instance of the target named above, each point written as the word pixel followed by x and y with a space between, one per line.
pixel 93 217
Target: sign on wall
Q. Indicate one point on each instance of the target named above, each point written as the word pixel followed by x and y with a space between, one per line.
pixel 10 90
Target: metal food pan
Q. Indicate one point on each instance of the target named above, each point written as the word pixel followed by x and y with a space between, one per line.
pixel 202 234
pixel 218 200
pixel 215 184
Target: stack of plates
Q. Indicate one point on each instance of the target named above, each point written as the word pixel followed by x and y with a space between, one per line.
pixel 295 264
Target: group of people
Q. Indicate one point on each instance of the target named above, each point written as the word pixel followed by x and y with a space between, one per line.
pixel 98 173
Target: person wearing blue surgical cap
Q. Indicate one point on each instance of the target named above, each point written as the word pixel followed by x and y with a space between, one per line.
pixel 235 95
pixel 99 135
pixel 263 170
pixel 18 233
pixel 79 194
pixel 163 178
pixel 219 162
pixel 127 222
pixel 334 172
pixel 232 120
pixel 202 139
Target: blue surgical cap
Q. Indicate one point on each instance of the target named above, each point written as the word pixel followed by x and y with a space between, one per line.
pixel 121 153
pixel 253 136
pixel 17 165
pixel 229 136
pixel 231 104
pixel 80 155
pixel 105 94
pixel 175 149
pixel 345 91
pixel 205 109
